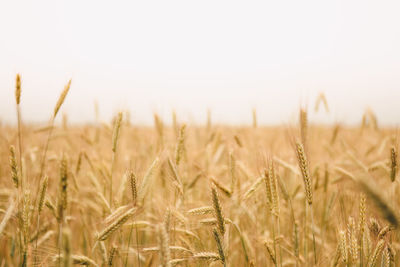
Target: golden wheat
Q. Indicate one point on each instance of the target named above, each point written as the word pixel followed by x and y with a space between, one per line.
pixel 55 207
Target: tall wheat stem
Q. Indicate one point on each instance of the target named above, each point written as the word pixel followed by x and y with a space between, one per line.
pixel 313 233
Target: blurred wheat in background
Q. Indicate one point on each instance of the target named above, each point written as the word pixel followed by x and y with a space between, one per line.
pixel 116 194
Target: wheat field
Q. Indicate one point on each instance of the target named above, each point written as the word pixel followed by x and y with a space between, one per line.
pixel 119 194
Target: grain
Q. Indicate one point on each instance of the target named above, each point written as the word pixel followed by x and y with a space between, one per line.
pixel 303 164
pixel 218 210
pixel 14 167
pixel 106 232
pixel 61 99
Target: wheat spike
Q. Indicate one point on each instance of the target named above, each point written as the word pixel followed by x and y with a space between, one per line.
pixel 343 246
pixel 354 248
pixel 163 241
pixel 180 146
pixel 266 177
pixel 393 165
pixel 111 256
pixel 254 187
pixel 384 231
pixel 375 254
pixel 14 167
pixel 303 164
pixel 78 163
pixel 42 193
pixel 201 210
pixel 321 98
pixel 232 171
pixel 206 256
pixel 270 250
pixel 18 89
pixel 117 127
pixel 274 189
pixel 132 180
pixel 238 141
pixel 26 216
pixel 147 179
pixel 103 235
pixel 374 226
pixel 384 207
pixel 61 98
pixel 390 252
pixel 336 259
pixel 63 186
pixel 83 260
pixel 218 210
pixel 362 212
pixel 219 246
pixel 221 187
pixel 303 126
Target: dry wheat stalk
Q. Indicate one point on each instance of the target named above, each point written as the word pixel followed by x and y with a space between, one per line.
pixel 66 240
pixel 7 215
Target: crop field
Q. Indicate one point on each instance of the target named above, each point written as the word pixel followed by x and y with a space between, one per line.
pixel 180 194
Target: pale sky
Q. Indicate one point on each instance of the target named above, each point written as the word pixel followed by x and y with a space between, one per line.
pixel 227 56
